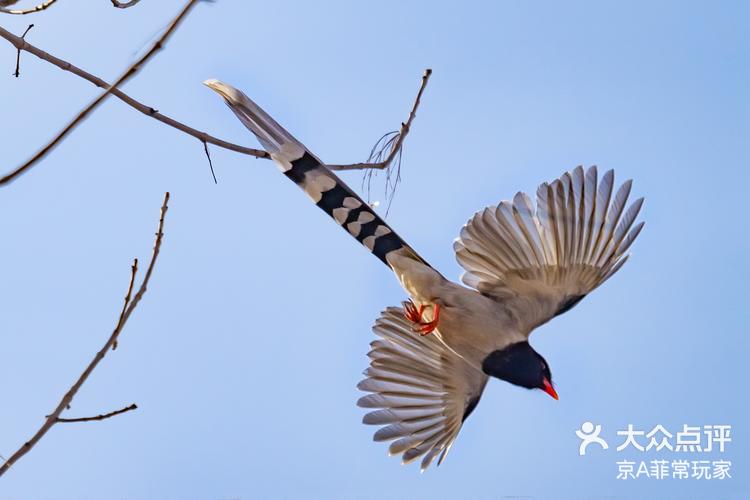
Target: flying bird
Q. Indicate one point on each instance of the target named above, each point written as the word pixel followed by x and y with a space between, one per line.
pixel 524 264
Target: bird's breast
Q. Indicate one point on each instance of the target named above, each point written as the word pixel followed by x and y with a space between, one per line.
pixel 474 325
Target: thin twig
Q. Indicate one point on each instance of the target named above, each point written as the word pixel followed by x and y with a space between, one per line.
pixel 21 44
pixel 378 152
pixel 22 12
pixel 210 163
pixel 65 402
pixel 132 70
pixel 398 143
pixel 98 417
pixel 126 302
pixel 17 72
pixel 124 5
pixel 387 153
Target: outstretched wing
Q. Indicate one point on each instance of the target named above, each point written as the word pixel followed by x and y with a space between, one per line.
pixel 424 390
pixel 543 262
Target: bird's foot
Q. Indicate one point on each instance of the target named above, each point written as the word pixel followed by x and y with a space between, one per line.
pixel 414 314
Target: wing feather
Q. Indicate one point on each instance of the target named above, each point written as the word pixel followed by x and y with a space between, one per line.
pixel 603 198
pixel 577 195
pixel 589 201
pixel 632 235
pixel 542 262
pixel 420 390
pixel 624 226
pixel 613 217
pixel 523 212
pixel 546 228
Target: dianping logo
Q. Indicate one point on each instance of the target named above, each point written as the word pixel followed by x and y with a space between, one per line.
pixel 688 446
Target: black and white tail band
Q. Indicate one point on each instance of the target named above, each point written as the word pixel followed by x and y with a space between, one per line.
pixel 325 189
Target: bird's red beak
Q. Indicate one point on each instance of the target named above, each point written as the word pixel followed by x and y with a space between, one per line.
pixel 549 389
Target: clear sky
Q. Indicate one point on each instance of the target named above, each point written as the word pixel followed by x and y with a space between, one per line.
pixel 245 353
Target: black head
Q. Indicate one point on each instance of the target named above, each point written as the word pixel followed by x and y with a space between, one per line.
pixel 521 365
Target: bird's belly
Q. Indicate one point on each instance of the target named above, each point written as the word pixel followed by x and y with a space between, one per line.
pixel 474 332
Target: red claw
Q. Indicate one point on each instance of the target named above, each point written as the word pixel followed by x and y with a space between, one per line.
pixel 414 314
pixel 411 312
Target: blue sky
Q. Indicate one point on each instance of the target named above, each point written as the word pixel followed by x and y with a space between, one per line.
pixel 245 353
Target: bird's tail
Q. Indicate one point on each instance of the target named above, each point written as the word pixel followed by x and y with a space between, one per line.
pixel 326 190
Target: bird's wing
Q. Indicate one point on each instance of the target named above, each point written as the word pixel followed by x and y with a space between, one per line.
pixel 541 262
pixel 423 390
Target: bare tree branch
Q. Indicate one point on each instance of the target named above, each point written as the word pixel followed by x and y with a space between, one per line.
pixel 210 163
pixel 17 72
pixel 393 145
pixel 124 5
pixel 397 144
pixel 23 45
pixel 65 402
pixel 132 70
pixel 22 12
pixel 98 417
pixel 126 302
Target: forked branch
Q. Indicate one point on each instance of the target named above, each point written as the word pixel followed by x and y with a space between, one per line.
pixel 17 72
pixel 131 302
pixel 22 45
pixel 382 160
pixel 132 70
pixel 395 143
pixel 392 147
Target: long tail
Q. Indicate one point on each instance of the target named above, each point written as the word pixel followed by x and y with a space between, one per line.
pixel 325 189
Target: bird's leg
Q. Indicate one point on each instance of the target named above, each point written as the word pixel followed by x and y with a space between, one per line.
pixel 413 313
pixel 426 328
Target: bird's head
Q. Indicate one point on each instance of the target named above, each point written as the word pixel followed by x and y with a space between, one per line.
pixel 521 365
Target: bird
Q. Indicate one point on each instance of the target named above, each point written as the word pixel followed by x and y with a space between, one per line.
pixel 524 264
